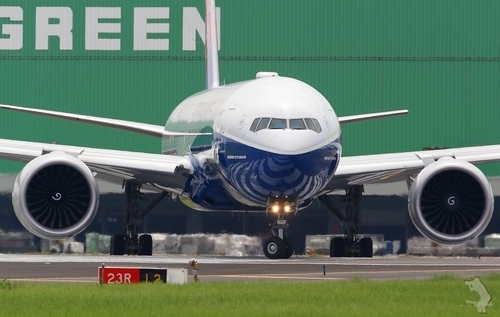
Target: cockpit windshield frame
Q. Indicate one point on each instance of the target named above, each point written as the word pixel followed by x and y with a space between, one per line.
pixel 277 123
pixel 282 124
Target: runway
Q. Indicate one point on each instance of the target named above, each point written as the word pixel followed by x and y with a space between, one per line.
pixel 83 268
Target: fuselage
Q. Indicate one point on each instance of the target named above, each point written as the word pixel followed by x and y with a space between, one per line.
pixel 272 136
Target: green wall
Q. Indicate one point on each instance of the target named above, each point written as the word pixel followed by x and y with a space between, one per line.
pixel 439 59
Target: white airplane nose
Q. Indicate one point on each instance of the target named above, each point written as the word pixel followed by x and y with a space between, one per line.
pixel 288 143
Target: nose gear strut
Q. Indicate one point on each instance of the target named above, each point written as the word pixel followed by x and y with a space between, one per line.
pixel 280 246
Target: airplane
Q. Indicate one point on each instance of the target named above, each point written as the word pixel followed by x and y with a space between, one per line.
pixel 270 144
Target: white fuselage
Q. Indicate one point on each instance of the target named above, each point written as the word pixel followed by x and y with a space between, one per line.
pixel 270 136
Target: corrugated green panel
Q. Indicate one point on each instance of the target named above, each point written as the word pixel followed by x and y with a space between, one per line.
pixel 439 59
pixel 342 28
pixel 131 90
pixel 295 28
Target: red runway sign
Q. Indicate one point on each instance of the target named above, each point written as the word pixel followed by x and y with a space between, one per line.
pixel 130 275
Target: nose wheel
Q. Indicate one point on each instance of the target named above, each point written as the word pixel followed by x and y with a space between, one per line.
pixel 274 248
pixel 278 246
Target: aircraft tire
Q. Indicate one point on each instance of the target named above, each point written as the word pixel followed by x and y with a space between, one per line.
pixel 117 244
pixel 366 248
pixel 337 247
pixel 146 245
pixel 289 248
pixel 274 248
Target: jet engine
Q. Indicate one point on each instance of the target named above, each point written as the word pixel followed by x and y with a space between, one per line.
pixel 55 196
pixel 450 201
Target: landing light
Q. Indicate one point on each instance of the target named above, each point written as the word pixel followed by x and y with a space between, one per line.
pixel 281 205
pixel 276 208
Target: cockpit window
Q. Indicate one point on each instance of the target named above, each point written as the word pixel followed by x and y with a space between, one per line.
pixel 253 127
pixel 277 124
pixel 318 127
pixel 263 123
pixel 310 124
pixel 297 124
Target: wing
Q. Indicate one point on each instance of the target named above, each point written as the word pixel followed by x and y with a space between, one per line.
pixel 370 116
pixel 137 127
pixel 394 167
pixel 155 171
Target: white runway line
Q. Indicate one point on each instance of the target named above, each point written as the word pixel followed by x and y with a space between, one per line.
pixel 85 280
pixel 275 277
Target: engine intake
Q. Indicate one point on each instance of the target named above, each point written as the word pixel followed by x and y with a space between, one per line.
pixel 451 201
pixel 55 196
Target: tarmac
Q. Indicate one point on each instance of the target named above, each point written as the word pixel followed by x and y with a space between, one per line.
pixel 83 268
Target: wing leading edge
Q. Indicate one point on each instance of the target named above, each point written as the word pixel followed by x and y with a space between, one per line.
pixel 155 171
pixel 394 167
pixel 370 116
pixel 137 127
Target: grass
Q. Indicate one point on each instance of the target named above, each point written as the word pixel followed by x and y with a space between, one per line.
pixel 440 296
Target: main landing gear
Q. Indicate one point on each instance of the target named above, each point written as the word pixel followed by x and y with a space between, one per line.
pixel 350 245
pixel 279 246
pixel 130 242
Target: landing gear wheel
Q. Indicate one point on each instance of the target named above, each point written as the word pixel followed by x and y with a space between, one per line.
pixel 366 248
pixel 274 248
pixel 145 245
pixel 289 248
pixel 117 244
pixel 337 247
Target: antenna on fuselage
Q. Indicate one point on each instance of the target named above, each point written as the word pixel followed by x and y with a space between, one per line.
pixel 211 46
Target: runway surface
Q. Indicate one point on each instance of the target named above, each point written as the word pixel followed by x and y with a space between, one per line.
pixel 83 268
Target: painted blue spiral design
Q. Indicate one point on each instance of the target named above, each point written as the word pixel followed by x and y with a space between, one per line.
pixel 262 174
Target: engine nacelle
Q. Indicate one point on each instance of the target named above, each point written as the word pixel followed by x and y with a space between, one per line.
pixel 55 196
pixel 451 201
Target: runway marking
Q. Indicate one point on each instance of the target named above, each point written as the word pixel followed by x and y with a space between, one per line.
pixel 300 276
pixel 56 280
pixel 400 271
pixel 417 271
pixel 276 277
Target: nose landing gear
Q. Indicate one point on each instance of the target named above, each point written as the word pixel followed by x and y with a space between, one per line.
pixel 279 246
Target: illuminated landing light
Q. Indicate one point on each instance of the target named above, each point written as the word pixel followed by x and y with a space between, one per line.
pixel 276 208
pixel 281 205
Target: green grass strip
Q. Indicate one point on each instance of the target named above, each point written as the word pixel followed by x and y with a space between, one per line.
pixel 440 296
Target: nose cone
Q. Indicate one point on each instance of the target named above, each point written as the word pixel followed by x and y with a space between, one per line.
pixel 288 143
